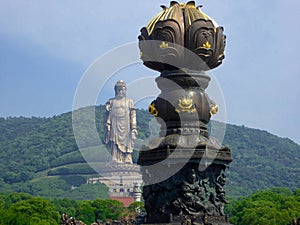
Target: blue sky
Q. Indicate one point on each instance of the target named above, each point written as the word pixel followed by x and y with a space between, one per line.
pixel 46 46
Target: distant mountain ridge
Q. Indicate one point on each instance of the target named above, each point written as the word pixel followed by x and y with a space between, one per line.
pixel 38 154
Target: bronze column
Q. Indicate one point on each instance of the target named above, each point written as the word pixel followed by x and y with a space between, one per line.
pixel 183 169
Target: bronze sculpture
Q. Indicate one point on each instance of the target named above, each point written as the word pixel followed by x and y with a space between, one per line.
pixel 120 124
pixel 184 173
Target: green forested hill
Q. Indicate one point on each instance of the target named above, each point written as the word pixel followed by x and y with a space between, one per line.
pixel 261 160
pixel 40 156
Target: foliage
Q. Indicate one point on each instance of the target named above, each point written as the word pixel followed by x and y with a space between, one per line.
pixel 85 212
pixel 74 180
pixel 277 206
pixel 112 209
pixel 10 199
pixel 25 210
pixel 136 206
pixel 33 150
pixel 29 145
pixel 72 157
pixel 83 168
pixel 88 191
pixel 266 207
pixel 260 160
pixel 59 187
pixel 65 205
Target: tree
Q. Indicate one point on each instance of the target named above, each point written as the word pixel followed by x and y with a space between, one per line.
pixel 133 207
pixel 85 212
pixel 31 211
pixel 267 207
pixel 65 205
pixel 108 209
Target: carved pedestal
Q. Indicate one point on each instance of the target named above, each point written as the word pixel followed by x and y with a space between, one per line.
pixel 183 169
pixel 189 196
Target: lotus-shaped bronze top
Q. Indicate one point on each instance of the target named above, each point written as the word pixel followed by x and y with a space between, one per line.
pixel 169 39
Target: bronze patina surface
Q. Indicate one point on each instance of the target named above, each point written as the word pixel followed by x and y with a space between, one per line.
pixel 182 43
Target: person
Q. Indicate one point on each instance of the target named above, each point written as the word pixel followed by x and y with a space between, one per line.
pixel 120 124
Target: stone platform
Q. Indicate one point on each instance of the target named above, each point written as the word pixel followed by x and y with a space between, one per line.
pixel 119 178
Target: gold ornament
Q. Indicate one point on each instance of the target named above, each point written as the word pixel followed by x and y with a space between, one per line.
pixel 214 109
pixel 153 110
pixel 206 45
pixel 186 104
pixel 164 45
